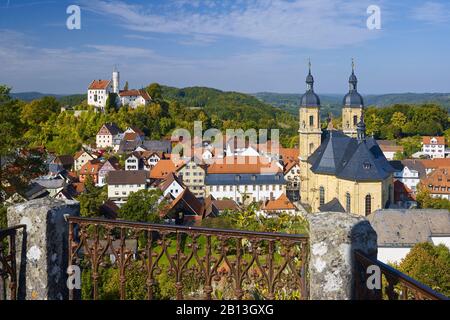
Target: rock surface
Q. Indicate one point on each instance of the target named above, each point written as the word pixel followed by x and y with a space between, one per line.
pixel 42 252
pixel 333 238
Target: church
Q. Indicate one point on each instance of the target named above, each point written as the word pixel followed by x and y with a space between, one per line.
pixel 344 170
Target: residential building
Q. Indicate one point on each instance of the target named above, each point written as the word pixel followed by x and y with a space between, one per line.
pixel 134 162
pixel 107 134
pixel 163 168
pixel 434 164
pixel 151 159
pixel 404 197
pixel 90 169
pixel 112 164
pixel 346 166
pixel 134 98
pixel 61 163
pixel 276 207
pixel 81 158
pixel 156 146
pixel 122 183
pixel 136 130
pixel 245 180
pixel 193 176
pixel 183 209
pixel 438 183
pixel 400 230
pixel 409 172
pixel 292 177
pixel 390 148
pixel 98 93
pixel 172 185
pixel 433 147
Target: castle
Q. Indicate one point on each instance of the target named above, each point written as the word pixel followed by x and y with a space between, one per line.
pixel 100 90
pixel 341 170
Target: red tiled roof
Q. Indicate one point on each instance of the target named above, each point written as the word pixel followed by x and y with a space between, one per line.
pixel 439 140
pixel 243 165
pixel 435 163
pixel 282 203
pixel 135 93
pixel 163 168
pixel 438 182
pixel 99 84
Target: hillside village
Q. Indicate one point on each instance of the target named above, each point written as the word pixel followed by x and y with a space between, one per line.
pixel 123 161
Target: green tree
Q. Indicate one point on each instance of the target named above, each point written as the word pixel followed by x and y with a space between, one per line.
pixel 40 111
pixel 126 86
pixel 430 265
pixel 92 199
pixel 111 102
pixel 143 206
pixel 155 91
pixel 11 127
pixel 3 218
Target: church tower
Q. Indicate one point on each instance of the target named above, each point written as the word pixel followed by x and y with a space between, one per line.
pixel 116 80
pixel 310 133
pixel 353 107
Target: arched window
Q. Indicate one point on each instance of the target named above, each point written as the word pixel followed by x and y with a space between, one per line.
pixel 368 204
pixel 311 148
pixel 348 202
pixel 322 195
pixel 311 120
pixel 355 120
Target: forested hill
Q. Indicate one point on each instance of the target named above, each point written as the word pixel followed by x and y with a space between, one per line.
pixel 333 102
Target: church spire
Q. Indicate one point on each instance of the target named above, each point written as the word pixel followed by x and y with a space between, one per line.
pixel 310 99
pixel 309 78
pixel 353 81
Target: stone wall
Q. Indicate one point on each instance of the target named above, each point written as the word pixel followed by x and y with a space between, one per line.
pixel 42 251
pixel 333 238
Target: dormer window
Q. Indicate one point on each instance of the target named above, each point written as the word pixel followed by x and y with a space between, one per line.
pixel 367 165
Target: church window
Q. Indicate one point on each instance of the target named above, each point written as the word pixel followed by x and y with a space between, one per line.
pixel 348 202
pixel 322 195
pixel 311 120
pixel 368 204
pixel 355 120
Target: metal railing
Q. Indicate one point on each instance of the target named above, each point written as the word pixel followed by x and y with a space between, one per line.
pixel 394 284
pixel 8 267
pixel 178 262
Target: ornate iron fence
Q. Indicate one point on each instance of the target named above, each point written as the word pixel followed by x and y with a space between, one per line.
pixel 394 285
pixel 8 267
pixel 165 261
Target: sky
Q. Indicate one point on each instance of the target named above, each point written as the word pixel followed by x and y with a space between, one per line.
pixel 242 45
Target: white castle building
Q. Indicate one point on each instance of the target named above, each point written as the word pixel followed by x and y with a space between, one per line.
pixel 99 91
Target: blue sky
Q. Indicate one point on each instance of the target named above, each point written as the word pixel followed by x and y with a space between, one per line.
pixel 241 45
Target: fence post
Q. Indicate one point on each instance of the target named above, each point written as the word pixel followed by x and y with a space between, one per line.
pixel 42 251
pixel 333 238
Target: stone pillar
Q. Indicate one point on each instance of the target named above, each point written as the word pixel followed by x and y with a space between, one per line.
pixel 333 238
pixel 42 249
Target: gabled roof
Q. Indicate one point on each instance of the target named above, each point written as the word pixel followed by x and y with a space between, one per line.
pixel 411 164
pixel 350 159
pixel 171 177
pixel 243 165
pixel 99 84
pixel 332 206
pixel 157 145
pixel 64 160
pixel 128 146
pixel 136 130
pixel 289 166
pixel 112 128
pixel 135 93
pixel 122 177
pixel 188 201
pixel 80 153
pixel 163 168
pixel 438 181
pixel 436 163
pixel 402 192
pixel 439 140
pixel 91 167
pixel 282 203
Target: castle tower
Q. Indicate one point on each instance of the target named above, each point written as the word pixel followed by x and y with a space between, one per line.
pixel 310 133
pixel 353 106
pixel 116 80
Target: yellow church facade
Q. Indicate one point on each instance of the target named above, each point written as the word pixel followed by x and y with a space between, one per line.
pixel 341 170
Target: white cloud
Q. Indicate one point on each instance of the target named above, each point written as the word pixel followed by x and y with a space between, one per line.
pixel 432 13
pixel 295 23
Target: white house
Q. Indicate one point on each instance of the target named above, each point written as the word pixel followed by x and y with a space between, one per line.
pixel 399 230
pixel 134 162
pixel 111 164
pixel 434 147
pixel 98 93
pixel 107 134
pixel 172 185
pixel 81 158
pixel 245 181
pixel 122 183
pixel 134 98
pixel 409 172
